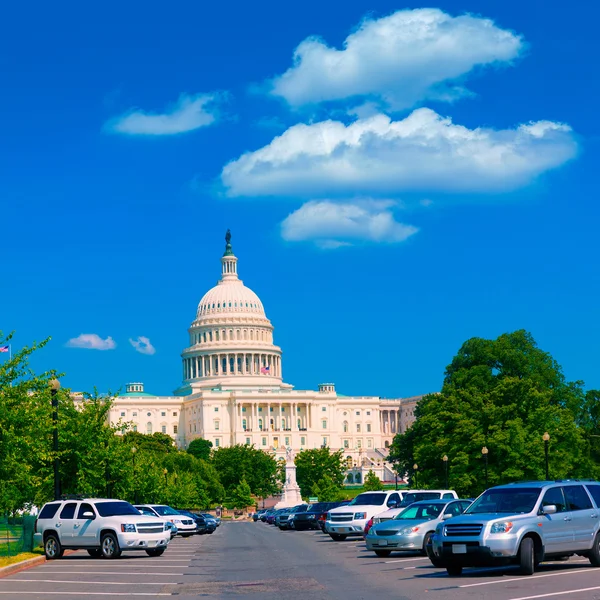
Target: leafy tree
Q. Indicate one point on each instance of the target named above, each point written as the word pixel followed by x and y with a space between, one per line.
pixel 502 394
pixel 156 442
pixel 372 482
pixel 200 448
pixel 316 464
pixel 241 496
pixel 241 462
pixel 327 490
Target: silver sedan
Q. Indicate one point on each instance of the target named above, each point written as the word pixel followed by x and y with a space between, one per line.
pixel 411 530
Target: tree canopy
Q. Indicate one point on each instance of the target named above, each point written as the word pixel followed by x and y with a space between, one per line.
pixel 316 464
pixel 372 483
pixel 200 448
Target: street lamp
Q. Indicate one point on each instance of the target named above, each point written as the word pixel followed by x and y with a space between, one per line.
pixel 396 476
pixel 135 493
pixel 445 459
pixel 484 451
pixel 415 469
pixel 54 387
pixel 546 438
pixel 165 471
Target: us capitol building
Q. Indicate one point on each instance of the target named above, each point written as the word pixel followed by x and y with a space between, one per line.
pixel 233 391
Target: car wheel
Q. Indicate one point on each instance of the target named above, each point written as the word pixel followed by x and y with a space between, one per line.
pixel 383 553
pixel 155 552
pixel 186 534
pixel 454 570
pixel 52 547
pixel 336 537
pixel 527 557
pixel 594 554
pixel 426 544
pixel 110 546
pixel 95 552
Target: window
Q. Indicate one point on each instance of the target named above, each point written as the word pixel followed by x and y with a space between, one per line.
pixel 368 413
pixel 287 441
pixel 217 335
pixel 298 409
pixel 148 427
pixel 594 490
pixel 49 511
pixel 135 414
pixel 260 424
pixel 358 413
pixel 283 409
pixel 368 427
pixel 244 424
pixel 68 511
pixel 324 441
pixel 174 414
pixel 217 442
pixel 324 408
pixel 299 423
pixel 369 443
pixel 345 426
pixel 346 444
pixel 358 428
pixel 216 425
pixel 577 497
pixel 247 441
pixel 270 409
pixel 555 496
pixel 324 423
pixel 243 409
pixel 163 414
pixel 195 430
pixel 148 414
pixel 302 441
pixel 359 443
pixel 163 428
pixel 174 428
pixel 122 413
pixel 216 409
pixel 135 427
pixel 264 441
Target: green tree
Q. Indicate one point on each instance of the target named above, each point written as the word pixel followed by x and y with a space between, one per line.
pixel 241 496
pixel 372 483
pixel 200 448
pixel 327 490
pixel 502 394
pixel 241 462
pixel 316 464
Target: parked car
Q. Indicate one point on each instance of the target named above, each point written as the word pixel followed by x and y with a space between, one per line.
pixel 103 527
pixel 351 520
pixel 212 519
pixel 322 519
pixel 410 496
pixel 523 523
pixel 257 515
pixel 173 531
pixel 271 516
pixel 265 515
pixel 185 525
pixel 198 519
pixel 286 518
pixel 413 528
pixel 309 519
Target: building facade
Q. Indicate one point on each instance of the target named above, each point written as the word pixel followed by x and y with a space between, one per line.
pixel 233 391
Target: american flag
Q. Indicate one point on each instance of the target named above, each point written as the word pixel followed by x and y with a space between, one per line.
pixel 264 370
pixel 4 348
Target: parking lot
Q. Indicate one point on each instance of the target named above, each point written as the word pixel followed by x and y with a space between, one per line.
pixel 259 561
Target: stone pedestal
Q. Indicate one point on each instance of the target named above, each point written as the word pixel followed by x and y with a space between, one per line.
pixel 291 490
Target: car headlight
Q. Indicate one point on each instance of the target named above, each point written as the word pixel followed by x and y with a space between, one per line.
pixel 328 516
pixel 362 515
pixel 376 520
pixel 312 516
pixel 177 521
pixel 128 528
pixel 408 530
pixel 501 527
pixel 167 527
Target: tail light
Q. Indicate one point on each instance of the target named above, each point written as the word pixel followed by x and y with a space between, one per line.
pixel 323 517
pixel 368 525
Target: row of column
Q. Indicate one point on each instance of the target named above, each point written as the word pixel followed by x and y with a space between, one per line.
pixel 239 363
pixel 390 421
pixel 293 420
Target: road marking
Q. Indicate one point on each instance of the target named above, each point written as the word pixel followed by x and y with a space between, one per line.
pixel 406 560
pixel 89 582
pixel 125 564
pixel 45 572
pixel 92 593
pixel 526 579
pixel 558 593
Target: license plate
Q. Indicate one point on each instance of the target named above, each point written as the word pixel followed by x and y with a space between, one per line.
pixel 343 529
pixel 459 548
pixel 382 542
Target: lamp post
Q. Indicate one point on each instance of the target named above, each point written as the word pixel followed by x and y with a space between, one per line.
pixel 546 438
pixel 445 459
pixel 165 471
pixel 415 469
pixel 54 387
pixel 135 492
pixel 484 451
pixel 396 477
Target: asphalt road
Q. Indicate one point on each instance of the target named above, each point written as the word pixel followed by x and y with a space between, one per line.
pixel 258 562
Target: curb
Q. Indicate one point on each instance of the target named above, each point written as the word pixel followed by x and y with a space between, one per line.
pixel 22 566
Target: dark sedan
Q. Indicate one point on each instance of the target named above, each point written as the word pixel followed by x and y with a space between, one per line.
pixel 310 518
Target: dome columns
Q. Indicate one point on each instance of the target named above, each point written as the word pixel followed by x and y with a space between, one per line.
pixel 219 364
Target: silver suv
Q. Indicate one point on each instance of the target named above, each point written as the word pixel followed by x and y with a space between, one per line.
pixel 523 523
pixel 103 527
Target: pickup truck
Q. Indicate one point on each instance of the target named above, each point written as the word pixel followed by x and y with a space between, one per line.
pixel 350 520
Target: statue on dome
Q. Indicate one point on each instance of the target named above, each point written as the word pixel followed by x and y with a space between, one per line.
pixel 228 249
pixel 228 237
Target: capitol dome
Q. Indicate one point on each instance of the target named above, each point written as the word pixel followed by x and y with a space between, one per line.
pixel 231 338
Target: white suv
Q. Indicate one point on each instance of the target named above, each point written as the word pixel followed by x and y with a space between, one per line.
pixel 350 520
pixel 186 526
pixel 103 527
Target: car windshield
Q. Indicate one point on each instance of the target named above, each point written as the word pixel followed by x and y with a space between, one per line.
pixel 368 499
pixel 505 500
pixel 111 509
pixel 426 512
pixel 165 510
pixel 412 497
pixel 318 507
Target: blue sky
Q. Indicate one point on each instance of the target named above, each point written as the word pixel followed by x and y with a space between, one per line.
pixel 430 178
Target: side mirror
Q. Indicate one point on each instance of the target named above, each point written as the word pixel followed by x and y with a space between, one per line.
pixel 447 516
pixel 88 514
pixel 392 504
pixel 549 509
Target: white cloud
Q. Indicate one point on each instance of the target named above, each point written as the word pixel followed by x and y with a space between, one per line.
pixel 142 345
pixel 402 59
pixel 380 157
pixel 187 114
pixel 91 341
pixel 334 224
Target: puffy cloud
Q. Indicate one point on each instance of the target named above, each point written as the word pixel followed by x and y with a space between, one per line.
pixel 142 345
pixel 377 156
pixel 334 224
pixel 402 59
pixel 91 341
pixel 187 114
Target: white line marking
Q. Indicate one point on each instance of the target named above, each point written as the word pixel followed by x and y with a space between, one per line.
pixel 409 568
pixel 526 579
pixel 406 560
pixel 124 564
pixel 104 573
pixel 558 593
pixel 92 593
pixel 88 582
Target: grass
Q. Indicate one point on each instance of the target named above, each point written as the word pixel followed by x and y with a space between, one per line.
pixel 17 558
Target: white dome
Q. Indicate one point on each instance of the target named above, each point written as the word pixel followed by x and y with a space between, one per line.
pixel 230 296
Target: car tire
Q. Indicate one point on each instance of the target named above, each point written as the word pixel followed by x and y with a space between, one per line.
pixel 527 557
pixel 109 545
pixel 383 553
pixel 337 537
pixel 155 552
pixel 95 552
pixel 594 554
pixel 187 534
pixel 426 543
pixel 454 570
pixel 52 547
